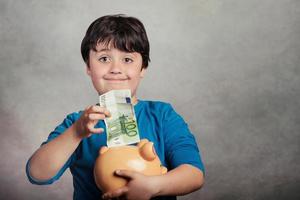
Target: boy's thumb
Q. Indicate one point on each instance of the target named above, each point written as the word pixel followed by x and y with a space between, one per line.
pixel 126 174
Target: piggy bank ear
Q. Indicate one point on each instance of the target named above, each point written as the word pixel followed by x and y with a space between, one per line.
pixel 103 150
pixel 142 142
pixel 147 151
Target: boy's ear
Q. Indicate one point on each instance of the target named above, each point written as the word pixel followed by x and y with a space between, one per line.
pixel 142 74
pixel 88 71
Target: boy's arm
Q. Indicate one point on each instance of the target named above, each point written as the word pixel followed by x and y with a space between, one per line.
pixel 50 158
pixel 46 162
pixel 182 180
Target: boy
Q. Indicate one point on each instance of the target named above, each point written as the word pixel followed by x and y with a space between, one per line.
pixel 116 52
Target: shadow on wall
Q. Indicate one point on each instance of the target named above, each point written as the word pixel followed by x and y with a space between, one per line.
pixel 15 150
pixel 283 191
pixel 13 154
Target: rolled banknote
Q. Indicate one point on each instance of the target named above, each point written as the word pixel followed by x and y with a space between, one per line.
pixel 121 127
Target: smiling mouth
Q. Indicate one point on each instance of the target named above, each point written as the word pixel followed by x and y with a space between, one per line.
pixel 116 80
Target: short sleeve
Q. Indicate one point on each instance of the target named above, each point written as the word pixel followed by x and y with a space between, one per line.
pixel 180 144
pixel 67 122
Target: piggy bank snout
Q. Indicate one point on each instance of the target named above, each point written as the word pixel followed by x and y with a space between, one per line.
pixel 147 151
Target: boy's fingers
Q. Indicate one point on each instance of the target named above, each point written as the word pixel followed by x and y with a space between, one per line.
pixel 107 113
pixel 99 109
pixel 91 128
pixel 87 109
pixel 96 116
pixel 126 174
pixel 117 193
pixel 97 130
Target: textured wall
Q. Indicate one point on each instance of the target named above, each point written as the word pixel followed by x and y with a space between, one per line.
pixel 231 68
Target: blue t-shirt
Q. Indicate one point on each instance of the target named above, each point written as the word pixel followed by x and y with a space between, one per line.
pixel 157 121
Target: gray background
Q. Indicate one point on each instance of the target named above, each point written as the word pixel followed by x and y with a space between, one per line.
pixel 230 68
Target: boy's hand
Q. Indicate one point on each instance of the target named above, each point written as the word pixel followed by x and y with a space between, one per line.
pixel 85 125
pixel 139 187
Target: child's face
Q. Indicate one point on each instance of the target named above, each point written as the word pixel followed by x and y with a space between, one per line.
pixel 110 68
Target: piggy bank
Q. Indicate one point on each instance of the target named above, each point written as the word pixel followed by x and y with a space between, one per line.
pixel 141 158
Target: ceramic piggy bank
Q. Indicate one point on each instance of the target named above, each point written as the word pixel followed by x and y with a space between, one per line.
pixel 141 158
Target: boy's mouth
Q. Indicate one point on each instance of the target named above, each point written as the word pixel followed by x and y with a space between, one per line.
pixel 116 80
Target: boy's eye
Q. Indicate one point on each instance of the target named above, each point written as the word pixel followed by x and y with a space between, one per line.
pixel 128 60
pixel 104 59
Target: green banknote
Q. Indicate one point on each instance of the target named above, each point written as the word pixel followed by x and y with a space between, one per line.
pixel 121 127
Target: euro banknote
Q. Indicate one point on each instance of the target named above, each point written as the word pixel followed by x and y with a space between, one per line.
pixel 121 126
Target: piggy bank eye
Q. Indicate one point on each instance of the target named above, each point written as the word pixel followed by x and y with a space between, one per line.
pixel 147 151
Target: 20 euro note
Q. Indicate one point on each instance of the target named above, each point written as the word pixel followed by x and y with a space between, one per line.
pixel 121 127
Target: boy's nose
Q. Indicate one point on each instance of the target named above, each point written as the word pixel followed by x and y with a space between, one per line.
pixel 116 68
